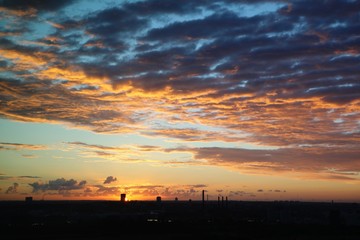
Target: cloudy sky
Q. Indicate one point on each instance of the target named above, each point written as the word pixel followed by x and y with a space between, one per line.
pixel 251 99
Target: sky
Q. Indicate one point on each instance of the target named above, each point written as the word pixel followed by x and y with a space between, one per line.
pixel 254 100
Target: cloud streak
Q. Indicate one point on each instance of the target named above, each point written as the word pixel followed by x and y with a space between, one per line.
pixel 305 162
pixel 21 146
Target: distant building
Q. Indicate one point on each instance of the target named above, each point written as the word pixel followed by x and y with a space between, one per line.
pixel 176 199
pixel 28 199
pixel 158 199
pixel 123 197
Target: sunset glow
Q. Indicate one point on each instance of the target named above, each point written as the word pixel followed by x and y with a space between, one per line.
pixel 254 100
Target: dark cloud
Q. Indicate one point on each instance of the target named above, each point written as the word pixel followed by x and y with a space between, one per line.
pixel 154 7
pixel 12 189
pixel 325 9
pixel 37 4
pixel 209 27
pixel 61 185
pixel 110 179
pixel 112 21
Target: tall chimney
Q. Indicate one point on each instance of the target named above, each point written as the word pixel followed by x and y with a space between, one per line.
pixel 203 198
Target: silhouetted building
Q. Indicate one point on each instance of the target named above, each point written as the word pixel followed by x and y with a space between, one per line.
pixel 28 199
pixel 176 199
pixel 123 197
pixel 158 199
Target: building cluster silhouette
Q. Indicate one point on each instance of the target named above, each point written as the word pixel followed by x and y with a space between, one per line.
pixel 176 218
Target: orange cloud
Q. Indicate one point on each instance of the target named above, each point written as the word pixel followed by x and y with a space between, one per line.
pixel 74 76
pixel 23 61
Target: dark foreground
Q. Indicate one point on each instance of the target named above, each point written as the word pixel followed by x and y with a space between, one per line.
pixel 179 220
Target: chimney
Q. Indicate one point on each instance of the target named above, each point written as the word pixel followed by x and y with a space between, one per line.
pixel 203 198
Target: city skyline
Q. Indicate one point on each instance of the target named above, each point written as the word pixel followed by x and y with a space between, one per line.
pixel 254 100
